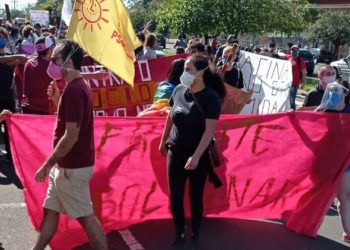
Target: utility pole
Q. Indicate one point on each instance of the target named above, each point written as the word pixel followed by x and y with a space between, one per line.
pixel 14 4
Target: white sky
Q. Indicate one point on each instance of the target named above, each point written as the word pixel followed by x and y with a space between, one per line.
pixel 20 3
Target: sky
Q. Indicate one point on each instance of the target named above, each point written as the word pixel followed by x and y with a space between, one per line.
pixel 20 3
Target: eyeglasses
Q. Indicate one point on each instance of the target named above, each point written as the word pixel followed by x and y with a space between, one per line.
pixel 54 59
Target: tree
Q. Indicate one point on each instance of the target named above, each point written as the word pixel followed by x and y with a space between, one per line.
pixel 17 13
pixel 233 16
pixel 143 11
pixel 333 27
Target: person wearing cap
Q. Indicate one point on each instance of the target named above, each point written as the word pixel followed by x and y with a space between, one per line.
pixel 230 41
pixel 299 74
pixel 36 80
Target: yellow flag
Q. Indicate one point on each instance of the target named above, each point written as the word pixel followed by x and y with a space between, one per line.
pixel 104 30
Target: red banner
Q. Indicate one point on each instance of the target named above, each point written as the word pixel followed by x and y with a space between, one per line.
pixel 282 166
pixel 113 97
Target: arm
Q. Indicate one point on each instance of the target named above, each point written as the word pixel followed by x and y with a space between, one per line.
pixel 13 59
pixel 3 113
pixel 308 108
pixel 165 135
pixel 53 93
pixel 62 148
pixel 210 126
pixel 98 75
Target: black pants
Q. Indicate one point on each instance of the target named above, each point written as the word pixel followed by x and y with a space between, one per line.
pixel 177 177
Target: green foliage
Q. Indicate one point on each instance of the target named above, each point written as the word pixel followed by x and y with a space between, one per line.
pixel 143 11
pixel 332 26
pixel 17 13
pixel 54 6
pixel 233 16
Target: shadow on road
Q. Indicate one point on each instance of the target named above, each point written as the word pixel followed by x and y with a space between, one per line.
pixel 9 174
pixel 223 234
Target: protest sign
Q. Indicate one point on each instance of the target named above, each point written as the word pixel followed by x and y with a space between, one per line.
pixel 39 16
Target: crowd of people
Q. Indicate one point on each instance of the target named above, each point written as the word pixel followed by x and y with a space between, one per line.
pixel 39 71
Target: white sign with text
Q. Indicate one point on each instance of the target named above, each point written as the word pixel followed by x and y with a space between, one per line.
pixel 270 79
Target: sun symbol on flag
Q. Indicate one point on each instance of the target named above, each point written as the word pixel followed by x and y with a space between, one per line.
pixel 91 11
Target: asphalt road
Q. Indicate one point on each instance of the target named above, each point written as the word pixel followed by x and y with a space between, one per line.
pixel 16 232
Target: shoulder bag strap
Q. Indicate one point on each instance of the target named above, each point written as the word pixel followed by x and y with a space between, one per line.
pixel 198 105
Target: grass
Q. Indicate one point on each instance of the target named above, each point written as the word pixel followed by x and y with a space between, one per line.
pixel 310 83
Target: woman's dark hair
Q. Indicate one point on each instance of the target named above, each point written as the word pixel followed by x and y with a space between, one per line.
pixel 26 31
pixel 150 40
pixel 212 80
pixel 175 71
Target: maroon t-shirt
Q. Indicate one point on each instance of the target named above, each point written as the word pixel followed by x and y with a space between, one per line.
pixel 76 106
pixel 35 84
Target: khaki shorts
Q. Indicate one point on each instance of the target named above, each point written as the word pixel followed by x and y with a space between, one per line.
pixel 69 191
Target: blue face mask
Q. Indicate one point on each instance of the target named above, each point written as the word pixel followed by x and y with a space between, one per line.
pixel 2 43
pixel 334 99
pixel 295 53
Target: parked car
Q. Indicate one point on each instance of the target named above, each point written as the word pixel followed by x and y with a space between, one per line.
pixel 342 68
pixel 309 61
pixel 325 56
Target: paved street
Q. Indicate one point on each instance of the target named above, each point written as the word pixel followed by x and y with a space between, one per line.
pixel 17 234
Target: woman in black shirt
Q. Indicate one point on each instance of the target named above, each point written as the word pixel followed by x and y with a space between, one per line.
pixel 186 136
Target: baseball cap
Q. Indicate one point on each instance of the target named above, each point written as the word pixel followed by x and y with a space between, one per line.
pixel 44 42
pixel 295 47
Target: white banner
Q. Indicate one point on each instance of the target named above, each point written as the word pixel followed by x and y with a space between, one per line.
pixel 270 79
pixel 39 16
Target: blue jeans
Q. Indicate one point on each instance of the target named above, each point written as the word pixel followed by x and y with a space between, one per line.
pixel 292 96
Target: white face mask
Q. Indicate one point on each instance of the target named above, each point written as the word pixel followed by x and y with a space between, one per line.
pixel 329 79
pixel 187 78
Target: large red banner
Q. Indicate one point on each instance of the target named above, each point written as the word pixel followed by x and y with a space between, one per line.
pixel 113 97
pixel 281 166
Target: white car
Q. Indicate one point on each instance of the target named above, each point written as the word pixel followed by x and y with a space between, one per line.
pixel 342 68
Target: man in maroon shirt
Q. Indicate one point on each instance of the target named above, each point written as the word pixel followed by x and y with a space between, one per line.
pixel 36 80
pixel 299 74
pixel 70 165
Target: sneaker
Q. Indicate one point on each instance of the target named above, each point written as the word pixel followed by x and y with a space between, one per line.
pixel 346 237
pixel 179 241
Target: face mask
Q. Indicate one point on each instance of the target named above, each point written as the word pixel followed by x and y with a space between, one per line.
pixel 295 53
pixel 334 99
pixel 54 71
pixel 28 49
pixel 187 78
pixel 329 79
pixel 2 43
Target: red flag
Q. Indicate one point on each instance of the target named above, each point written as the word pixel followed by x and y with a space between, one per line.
pixel 282 166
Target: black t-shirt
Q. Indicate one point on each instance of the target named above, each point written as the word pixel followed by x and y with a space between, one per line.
pixel 7 99
pixel 314 97
pixel 189 123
